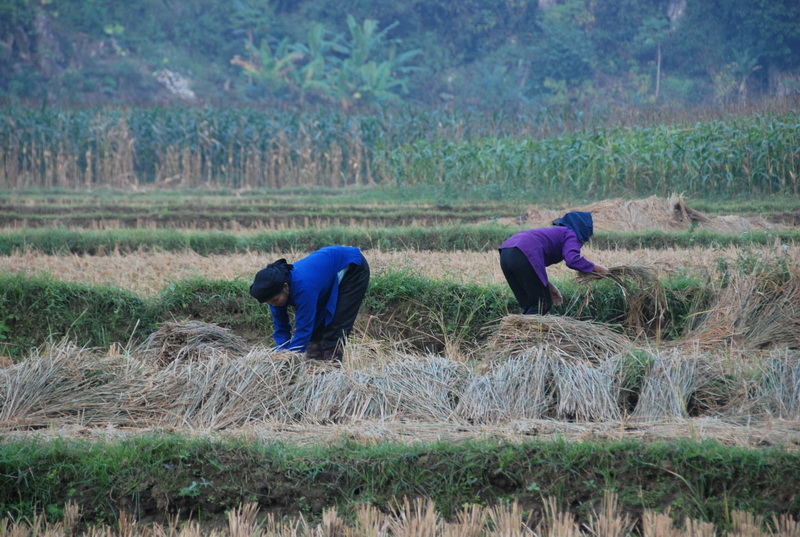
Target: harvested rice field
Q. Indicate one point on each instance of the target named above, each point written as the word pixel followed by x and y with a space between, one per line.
pixel 670 388
pixel 148 273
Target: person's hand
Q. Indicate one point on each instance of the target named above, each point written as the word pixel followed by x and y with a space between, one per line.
pixel 600 269
pixel 556 295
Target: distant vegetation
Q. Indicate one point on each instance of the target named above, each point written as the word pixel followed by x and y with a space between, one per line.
pixel 454 154
pixel 463 54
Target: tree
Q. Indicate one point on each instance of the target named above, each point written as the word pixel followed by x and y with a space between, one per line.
pixel 652 33
pixel 360 69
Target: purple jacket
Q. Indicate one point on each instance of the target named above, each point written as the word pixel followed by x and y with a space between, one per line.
pixel 545 246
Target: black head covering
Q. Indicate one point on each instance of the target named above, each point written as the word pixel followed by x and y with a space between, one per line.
pixel 578 221
pixel 269 281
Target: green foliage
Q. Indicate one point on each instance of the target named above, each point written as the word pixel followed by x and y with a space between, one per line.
pixel 434 315
pixel 222 302
pixel 208 477
pixel 436 238
pixel 709 157
pixel 39 309
pixel 595 49
pixel 429 314
pixel 363 68
pixel 563 51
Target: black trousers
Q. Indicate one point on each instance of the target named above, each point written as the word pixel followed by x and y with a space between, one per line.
pixel 352 289
pixel 530 292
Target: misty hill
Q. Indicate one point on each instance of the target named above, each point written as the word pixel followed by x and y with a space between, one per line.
pixel 480 54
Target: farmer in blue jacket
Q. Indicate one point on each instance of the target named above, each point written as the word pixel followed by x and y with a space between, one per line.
pixel 325 289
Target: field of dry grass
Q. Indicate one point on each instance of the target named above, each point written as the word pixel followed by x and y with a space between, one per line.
pixel 735 379
pixel 147 273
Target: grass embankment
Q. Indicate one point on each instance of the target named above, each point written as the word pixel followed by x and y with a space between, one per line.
pixel 400 306
pixel 437 238
pixel 152 477
pixel 274 210
pixel 249 212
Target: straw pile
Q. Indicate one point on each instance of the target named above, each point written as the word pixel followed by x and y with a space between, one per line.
pixel 754 311
pixel 653 213
pixel 69 386
pixel 584 341
pixel 778 392
pixel 675 385
pixel 220 392
pixel 66 384
pixel 191 340
pixel 517 388
pixel 645 298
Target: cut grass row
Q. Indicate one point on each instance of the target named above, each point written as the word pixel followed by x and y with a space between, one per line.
pixel 365 202
pixel 436 238
pixel 36 309
pixel 160 475
pixel 387 198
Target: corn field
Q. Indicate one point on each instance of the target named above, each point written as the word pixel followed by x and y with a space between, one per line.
pixel 174 148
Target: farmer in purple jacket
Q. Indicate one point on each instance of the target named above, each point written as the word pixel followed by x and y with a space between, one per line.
pixel 524 256
pixel 325 289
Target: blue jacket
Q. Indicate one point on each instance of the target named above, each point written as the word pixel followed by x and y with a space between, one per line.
pixel 313 292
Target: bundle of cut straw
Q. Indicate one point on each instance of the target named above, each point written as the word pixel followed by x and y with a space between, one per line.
pixel 645 298
pixel 578 340
pixel 754 311
pixel 190 340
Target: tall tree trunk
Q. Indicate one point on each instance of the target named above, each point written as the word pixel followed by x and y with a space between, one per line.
pixel 658 70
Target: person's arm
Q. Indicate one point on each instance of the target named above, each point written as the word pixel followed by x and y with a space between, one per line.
pixel 304 315
pixel 282 326
pixel 555 294
pixel 573 258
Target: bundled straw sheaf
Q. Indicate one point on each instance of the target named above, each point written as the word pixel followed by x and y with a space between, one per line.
pixel 653 213
pixel 674 384
pixel 584 341
pixel 191 340
pixel 517 388
pixel 645 298
pixel 754 311
pixel 546 382
pixel 778 392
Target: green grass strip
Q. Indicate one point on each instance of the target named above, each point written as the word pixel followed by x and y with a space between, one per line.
pixel 435 238
pixel 148 476
pixel 36 309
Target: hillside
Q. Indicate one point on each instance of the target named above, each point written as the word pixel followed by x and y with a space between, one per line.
pixel 474 54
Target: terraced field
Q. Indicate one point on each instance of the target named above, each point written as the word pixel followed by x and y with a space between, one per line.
pixel 140 393
pixel 125 316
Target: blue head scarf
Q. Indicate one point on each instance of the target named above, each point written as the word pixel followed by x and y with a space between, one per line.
pixel 578 221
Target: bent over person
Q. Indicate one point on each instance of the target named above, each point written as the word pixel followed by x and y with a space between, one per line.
pixel 524 256
pixel 325 289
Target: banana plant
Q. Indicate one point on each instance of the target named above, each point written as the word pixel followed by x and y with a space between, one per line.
pixel 270 69
pixel 318 62
pixel 362 78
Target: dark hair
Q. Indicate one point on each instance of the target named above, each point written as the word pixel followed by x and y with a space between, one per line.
pixel 269 281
